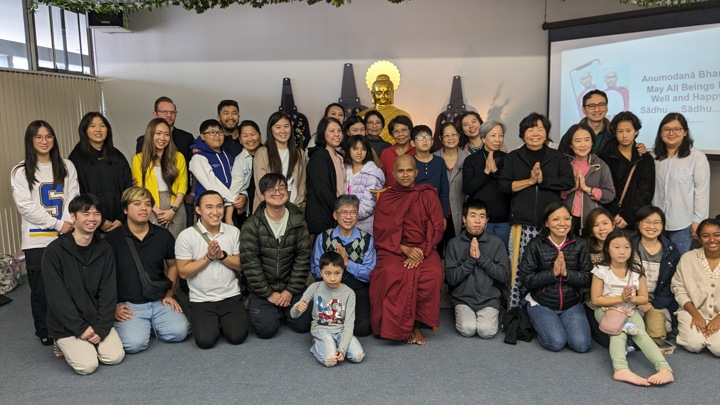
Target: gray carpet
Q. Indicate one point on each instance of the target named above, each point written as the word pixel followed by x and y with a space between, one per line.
pixel 450 369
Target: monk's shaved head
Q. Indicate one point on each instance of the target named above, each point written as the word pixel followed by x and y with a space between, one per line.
pixel 405 170
pixel 404 159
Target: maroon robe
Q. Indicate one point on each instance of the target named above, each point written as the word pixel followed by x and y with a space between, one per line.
pixel 400 296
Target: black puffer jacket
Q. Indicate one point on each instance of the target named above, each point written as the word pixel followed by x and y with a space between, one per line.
pixel 271 265
pixel 641 189
pixel 536 272
pixel 528 205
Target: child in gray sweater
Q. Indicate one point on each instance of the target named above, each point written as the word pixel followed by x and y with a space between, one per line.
pixel 333 314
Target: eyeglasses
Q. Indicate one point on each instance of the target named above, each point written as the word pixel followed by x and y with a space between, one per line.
pixel 598 106
pixel 40 138
pixel 656 224
pixel 373 123
pixel 452 135
pixel 347 213
pixel 277 190
pixel 213 133
pixel 166 112
pixel 401 131
pixel 423 138
pixel 676 131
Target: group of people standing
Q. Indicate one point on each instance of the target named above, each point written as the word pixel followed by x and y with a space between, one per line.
pixel 565 232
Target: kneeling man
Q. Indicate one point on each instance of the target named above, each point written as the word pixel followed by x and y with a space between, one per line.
pixel 405 285
pixel 476 269
pixel 208 256
pixel 145 303
pixel 79 273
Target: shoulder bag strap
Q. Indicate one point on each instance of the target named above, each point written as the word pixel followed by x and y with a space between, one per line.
pixel 627 184
pixel 138 264
pixel 204 236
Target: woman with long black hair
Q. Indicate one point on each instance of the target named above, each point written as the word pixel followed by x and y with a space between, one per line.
pixel 281 155
pixel 102 169
pixel 161 169
pixel 42 186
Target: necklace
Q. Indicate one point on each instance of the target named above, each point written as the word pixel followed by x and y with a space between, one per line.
pixel 474 150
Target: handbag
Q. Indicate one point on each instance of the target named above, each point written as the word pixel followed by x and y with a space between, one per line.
pixel 151 290
pixel 615 318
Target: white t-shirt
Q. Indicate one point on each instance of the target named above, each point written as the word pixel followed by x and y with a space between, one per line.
pixel 161 185
pixel 613 285
pixel 215 282
pixel 278 228
pixel 292 185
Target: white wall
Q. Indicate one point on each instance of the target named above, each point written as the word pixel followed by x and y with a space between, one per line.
pixel 497 46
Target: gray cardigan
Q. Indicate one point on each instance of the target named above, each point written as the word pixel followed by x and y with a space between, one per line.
pixel 457 197
pixel 598 177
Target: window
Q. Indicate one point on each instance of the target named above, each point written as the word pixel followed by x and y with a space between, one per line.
pixel 60 38
pixel 13 38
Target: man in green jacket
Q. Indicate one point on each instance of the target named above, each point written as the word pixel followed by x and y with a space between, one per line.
pixel 275 250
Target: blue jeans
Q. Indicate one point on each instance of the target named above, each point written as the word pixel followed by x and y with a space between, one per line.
pixel 501 230
pixel 682 238
pixel 556 329
pixel 169 326
pixel 326 344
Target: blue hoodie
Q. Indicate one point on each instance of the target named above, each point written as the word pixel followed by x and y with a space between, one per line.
pixel 220 162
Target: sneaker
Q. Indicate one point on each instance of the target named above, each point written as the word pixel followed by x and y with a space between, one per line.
pixel 46 341
pixel 629 348
pixel 58 353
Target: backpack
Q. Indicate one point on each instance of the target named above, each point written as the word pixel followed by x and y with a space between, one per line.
pixel 10 273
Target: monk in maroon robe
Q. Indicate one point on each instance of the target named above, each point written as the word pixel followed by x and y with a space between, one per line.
pixel 405 285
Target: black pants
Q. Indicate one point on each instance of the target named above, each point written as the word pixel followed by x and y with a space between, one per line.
pixel 266 317
pixel 38 301
pixel 362 304
pixel 599 336
pixel 207 318
pixel 190 213
pixel 447 235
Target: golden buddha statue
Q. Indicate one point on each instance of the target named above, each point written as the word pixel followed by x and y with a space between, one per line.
pixel 382 91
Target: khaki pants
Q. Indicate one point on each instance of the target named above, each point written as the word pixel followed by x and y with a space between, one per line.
pixel 84 356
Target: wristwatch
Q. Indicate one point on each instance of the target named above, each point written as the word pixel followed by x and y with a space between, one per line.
pixel 174 208
pixel 224 256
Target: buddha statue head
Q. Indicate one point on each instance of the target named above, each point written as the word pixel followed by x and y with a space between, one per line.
pixel 383 91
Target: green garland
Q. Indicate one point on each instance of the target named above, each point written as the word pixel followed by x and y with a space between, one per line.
pixel 132 6
pixel 661 3
pixel 200 6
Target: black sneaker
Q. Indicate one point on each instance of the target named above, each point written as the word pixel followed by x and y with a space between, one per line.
pixel 46 341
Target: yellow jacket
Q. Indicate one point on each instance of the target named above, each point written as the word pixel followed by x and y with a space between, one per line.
pixel 179 186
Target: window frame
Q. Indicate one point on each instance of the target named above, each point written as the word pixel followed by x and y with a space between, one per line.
pixel 31 43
